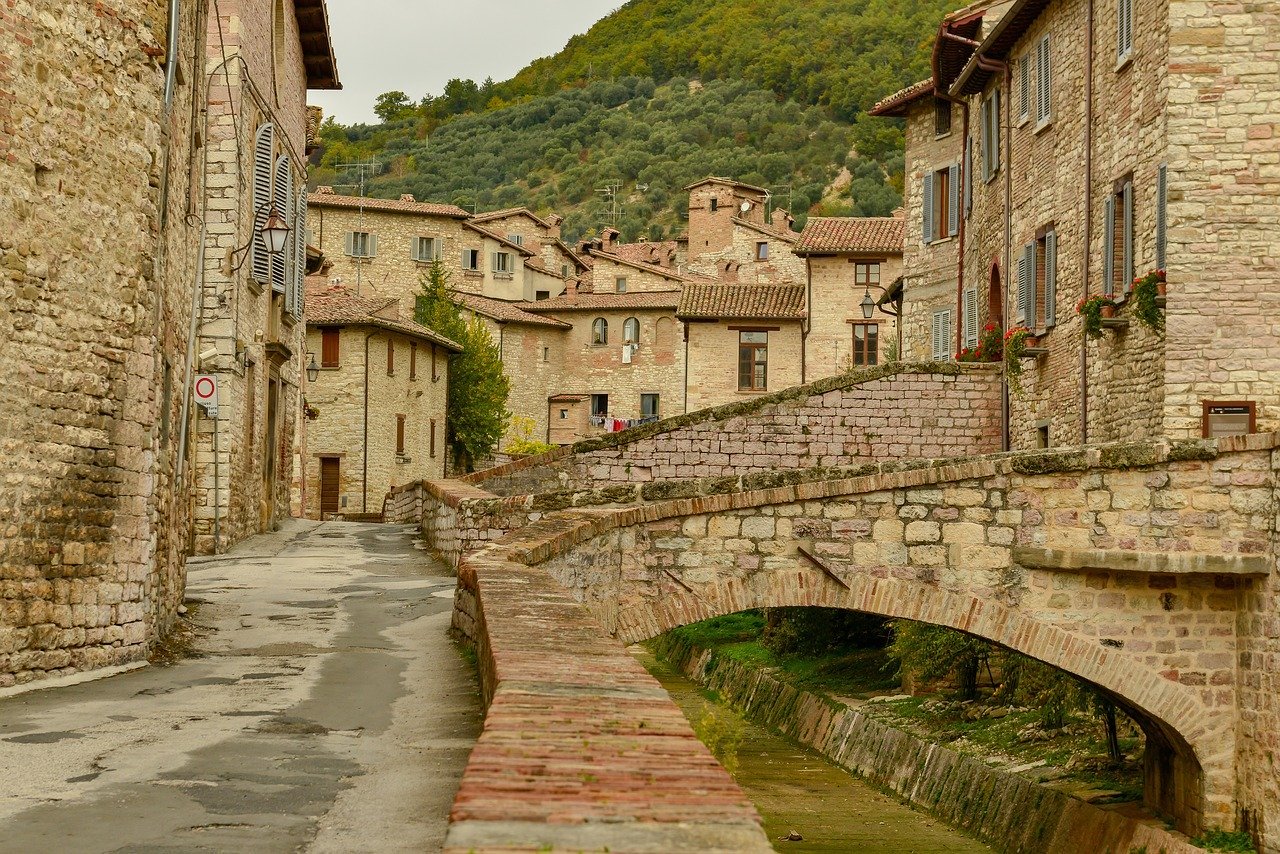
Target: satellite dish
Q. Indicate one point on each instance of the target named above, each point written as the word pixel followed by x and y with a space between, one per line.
pixel 744 207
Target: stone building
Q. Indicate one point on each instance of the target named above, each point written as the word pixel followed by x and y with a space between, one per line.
pixel 376 411
pixel 116 170
pixel 1047 162
pixel 262 56
pixel 731 238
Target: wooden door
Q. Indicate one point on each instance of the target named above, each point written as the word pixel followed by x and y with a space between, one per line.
pixel 328 486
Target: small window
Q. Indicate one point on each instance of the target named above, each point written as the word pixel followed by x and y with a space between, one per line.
pixel 942 336
pixel 361 244
pixel 564 271
pixel 762 251
pixel 399 435
pixel 539 296
pixel 866 276
pixel 600 404
pixel 1042 435
pixel 426 249
pixel 631 331
pixel 715 204
pixel 620 285
pixel 648 406
pixel 546 354
pixel 517 239
pixel 502 262
pixel 1044 83
pixel 413 360
pixel 600 331
pixel 1117 249
pixel 942 204
pixel 391 357
pixel 941 116
pixel 753 361
pixel 471 259
pixel 329 347
pixel 433 437
pixel 1124 30
pixel 866 344
pixel 564 414
pixel 1229 418
pixel 435 376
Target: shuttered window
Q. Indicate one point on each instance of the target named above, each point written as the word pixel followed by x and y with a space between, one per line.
pixel 361 244
pixel 1109 246
pixel 1126 199
pixel 282 204
pixel 391 357
pixel 969 319
pixel 433 437
pixel 1030 317
pixel 413 360
pixel 501 262
pixel 1051 279
pixel 953 200
pixel 471 259
pixel 1162 216
pixel 927 227
pixel 942 335
pixel 991 135
pixel 1124 29
pixel 1044 82
pixel 1024 288
pixel 942 203
pixel 263 166
pixel 400 435
pixel 295 304
pixel 425 249
pixel 329 348
pixel 1024 86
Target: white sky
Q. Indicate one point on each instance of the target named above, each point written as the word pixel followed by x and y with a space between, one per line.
pixel 419 45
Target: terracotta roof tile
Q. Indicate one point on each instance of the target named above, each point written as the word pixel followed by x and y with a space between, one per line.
pixel 836 234
pixel 768 230
pixel 510 212
pixel 757 302
pixel 603 302
pixel 333 200
pixel 894 104
pixel 501 238
pixel 334 305
pixel 646 253
pixel 505 311
pixel 665 272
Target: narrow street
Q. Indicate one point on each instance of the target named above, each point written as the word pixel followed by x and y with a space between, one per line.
pixel 323 709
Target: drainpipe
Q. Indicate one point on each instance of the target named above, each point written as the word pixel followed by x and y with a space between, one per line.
pixel 686 367
pixel 364 478
pixel 808 314
pixel 1088 212
pixel 965 178
pixel 1006 155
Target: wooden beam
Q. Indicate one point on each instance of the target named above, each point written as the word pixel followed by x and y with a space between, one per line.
pixel 820 564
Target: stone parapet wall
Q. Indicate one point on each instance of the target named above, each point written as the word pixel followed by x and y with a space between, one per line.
pixel 1009 812
pixel 888 412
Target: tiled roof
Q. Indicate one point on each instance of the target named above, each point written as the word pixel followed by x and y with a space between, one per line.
pixel 493 235
pixel 767 230
pixel 836 234
pixel 646 253
pixel 317 48
pixel 605 302
pixel 756 302
pixel 998 44
pixel 333 200
pixel 334 305
pixel 712 179
pixel 665 272
pixel 894 104
pixel 510 212
pixel 504 311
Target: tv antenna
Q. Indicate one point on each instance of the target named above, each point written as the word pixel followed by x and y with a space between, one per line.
pixel 612 195
pixel 366 169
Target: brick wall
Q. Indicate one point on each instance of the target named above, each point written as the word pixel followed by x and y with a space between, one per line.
pixel 96 277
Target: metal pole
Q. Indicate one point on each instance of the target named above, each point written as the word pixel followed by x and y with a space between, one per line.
pixel 217 492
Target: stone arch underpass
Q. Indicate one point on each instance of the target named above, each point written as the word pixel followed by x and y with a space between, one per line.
pixel 1145 569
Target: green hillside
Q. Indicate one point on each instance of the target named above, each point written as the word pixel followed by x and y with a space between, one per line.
pixel 655 96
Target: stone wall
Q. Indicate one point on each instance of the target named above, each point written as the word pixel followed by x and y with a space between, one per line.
pixel 713 359
pixel 1007 811
pixel 888 412
pixel 96 278
pixel 835 305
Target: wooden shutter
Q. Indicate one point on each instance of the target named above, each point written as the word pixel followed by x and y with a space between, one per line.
pixel 1029 264
pixel 281 203
pixel 986 140
pixel 1162 215
pixel 329 347
pixel 1051 279
pixel 391 356
pixel 400 435
pixel 1127 270
pixel 300 256
pixel 1022 289
pixel 968 176
pixel 953 199
pixel 1109 246
pixel 1024 86
pixel 433 437
pixel 928 208
pixel 1044 81
pixel 263 163
pixel 970 319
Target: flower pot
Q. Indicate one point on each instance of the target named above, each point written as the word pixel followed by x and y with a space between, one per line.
pixel 1160 286
pixel 1108 310
pixel 1031 341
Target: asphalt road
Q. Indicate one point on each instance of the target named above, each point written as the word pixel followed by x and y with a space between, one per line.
pixel 325 710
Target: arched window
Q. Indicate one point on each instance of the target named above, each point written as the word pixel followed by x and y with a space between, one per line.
pixel 600 331
pixel 631 331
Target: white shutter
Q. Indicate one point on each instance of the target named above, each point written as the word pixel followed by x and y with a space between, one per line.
pixel 970 320
pixel 1029 253
pixel 1127 270
pixel 300 256
pixel 1022 289
pixel 1051 279
pixel 953 199
pixel 349 243
pixel 1162 215
pixel 928 208
pixel 373 246
pixel 938 337
pixel 415 248
pixel 1124 28
pixel 281 203
pixel 1109 246
pixel 493 265
pixel 263 163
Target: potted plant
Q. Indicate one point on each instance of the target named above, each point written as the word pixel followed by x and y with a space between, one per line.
pixel 1015 350
pixel 1146 291
pixel 1092 310
pixel 990 346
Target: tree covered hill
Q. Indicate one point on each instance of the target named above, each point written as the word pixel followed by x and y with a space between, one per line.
pixel 656 95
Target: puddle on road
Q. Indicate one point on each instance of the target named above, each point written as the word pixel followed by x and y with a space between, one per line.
pixel 796 789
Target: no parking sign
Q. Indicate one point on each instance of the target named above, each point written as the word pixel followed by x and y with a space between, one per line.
pixel 206 392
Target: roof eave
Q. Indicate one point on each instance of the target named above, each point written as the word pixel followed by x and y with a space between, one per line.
pixel 317 44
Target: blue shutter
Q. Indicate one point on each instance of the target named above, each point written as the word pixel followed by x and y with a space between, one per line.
pixel 928 208
pixel 1051 279
pixel 281 203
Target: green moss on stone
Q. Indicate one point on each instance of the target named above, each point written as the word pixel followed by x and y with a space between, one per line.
pixel 1129 455
pixel 666 490
pixel 1051 462
pixel 1192 450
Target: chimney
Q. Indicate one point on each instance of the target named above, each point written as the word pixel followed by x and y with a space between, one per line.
pixel 554 221
pixel 899 213
pixel 407 197
pixel 609 237
pixel 781 219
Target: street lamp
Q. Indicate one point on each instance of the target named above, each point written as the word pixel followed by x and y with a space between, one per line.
pixel 868 305
pixel 275 232
pixel 313 370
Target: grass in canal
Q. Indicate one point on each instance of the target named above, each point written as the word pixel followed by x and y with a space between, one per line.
pixel 1073 756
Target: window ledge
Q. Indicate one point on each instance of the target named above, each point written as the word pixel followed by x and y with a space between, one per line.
pixel 1124 62
pixel 1022 120
pixel 938 240
pixel 750 391
pixel 1043 126
pixel 503 276
pixel 938 136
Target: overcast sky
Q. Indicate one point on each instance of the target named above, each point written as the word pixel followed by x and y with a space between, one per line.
pixel 418 45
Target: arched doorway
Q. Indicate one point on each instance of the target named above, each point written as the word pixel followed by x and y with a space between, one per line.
pixel 995 298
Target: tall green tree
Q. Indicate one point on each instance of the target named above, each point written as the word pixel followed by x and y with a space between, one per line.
pixel 390 106
pixel 476 413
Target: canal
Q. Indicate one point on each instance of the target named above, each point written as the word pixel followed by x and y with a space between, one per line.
pixel 795 789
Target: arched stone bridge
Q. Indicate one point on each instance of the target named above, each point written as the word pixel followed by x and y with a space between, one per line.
pixel 1147 569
